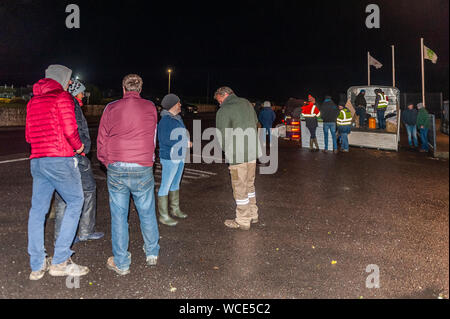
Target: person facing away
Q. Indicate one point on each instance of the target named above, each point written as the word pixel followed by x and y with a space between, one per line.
pixel 360 107
pixel 344 124
pixel 329 113
pixel 87 219
pixel 173 142
pixel 51 130
pixel 235 119
pixel 423 124
pixel 266 117
pixel 311 112
pixel 126 146
pixel 409 119
pixel 381 104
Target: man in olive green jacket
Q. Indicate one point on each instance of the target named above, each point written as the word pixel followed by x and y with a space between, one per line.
pixel 236 123
pixel 423 124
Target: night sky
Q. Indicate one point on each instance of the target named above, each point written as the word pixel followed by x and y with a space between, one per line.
pixel 262 49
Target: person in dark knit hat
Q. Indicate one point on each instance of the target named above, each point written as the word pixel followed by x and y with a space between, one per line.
pixel 172 159
pixel 88 212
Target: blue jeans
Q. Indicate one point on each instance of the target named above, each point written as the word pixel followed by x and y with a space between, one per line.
pixel 424 138
pixel 268 131
pixel 412 134
pixel 344 130
pixel 125 179
pixel 87 219
pixel 381 119
pixel 50 174
pixel 361 112
pixel 172 171
pixel 332 127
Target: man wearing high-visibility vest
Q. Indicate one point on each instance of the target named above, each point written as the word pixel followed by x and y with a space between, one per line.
pixel 344 123
pixel 381 103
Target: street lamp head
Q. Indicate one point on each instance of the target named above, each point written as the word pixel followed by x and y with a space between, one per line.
pixel 169 70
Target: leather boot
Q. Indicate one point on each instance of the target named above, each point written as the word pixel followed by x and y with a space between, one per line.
pixel 174 204
pixel 311 148
pixel 316 144
pixel 163 209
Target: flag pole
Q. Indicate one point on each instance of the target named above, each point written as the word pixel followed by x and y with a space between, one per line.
pixel 423 72
pixel 368 68
pixel 393 66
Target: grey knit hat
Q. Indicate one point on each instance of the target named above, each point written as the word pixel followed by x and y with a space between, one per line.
pixel 59 73
pixel 420 106
pixel 267 104
pixel 76 87
pixel 169 101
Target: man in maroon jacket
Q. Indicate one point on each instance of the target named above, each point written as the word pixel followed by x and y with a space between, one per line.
pixel 126 145
pixel 51 129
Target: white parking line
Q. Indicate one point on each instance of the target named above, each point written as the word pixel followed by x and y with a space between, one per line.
pixel 14 160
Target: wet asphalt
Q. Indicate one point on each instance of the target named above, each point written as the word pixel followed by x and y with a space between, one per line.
pixel 324 218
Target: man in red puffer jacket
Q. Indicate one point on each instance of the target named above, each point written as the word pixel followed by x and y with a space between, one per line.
pixel 52 131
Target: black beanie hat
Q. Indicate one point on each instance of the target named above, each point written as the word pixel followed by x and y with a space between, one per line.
pixel 169 101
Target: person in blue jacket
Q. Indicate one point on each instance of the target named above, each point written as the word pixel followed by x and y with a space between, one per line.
pixel 173 142
pixel 266 117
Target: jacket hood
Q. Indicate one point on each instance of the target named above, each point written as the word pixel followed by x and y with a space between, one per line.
pixel 46 85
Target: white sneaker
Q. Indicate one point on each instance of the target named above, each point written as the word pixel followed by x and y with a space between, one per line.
pixel 68 268
pixel 38 274
pixel 152 260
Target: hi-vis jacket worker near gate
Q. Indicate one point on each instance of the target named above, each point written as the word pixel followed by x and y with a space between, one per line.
pixel 311 112
pixel 381 103
pixel 344 122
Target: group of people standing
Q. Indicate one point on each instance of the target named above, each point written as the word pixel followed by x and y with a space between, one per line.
pixel 335 117
pixel 59 137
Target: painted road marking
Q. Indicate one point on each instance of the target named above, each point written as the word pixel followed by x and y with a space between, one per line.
pixel 14 160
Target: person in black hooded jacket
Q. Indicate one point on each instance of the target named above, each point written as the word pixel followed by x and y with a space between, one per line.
pixel 329 113
pixel 360 107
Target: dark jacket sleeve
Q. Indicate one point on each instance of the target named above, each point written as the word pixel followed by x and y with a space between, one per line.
pixel 83 128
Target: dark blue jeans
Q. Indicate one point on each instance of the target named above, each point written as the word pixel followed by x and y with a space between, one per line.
pixel 87 219
pixel 381 119
pixel 50 174
pixel 125 179
pixel 344 130
pixel 424 138
pixel 361 112
pixel 332 127
pixel 412 134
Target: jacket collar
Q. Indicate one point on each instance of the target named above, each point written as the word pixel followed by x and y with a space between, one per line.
pixel 230 98
pixel 167 113
pixel 131 94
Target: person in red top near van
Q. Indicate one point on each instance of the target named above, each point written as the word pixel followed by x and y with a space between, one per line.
pixel 310 112
pixel 52 131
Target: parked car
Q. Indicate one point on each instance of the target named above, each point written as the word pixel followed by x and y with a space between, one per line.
pixel 188 109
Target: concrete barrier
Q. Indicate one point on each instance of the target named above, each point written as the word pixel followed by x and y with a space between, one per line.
pixel 12 115
pixel 16 115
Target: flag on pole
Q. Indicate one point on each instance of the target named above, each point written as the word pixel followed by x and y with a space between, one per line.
pixel 374 62
pixel 429 54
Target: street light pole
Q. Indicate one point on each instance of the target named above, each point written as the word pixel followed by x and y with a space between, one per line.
pixel 170 72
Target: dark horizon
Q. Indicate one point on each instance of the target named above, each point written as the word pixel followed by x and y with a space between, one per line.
pixel 269 50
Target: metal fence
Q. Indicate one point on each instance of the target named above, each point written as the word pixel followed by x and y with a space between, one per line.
pixel 433 101
pixel 444 118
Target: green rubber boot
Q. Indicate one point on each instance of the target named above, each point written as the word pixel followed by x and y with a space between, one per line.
pixel 163 209
pixel 174 204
